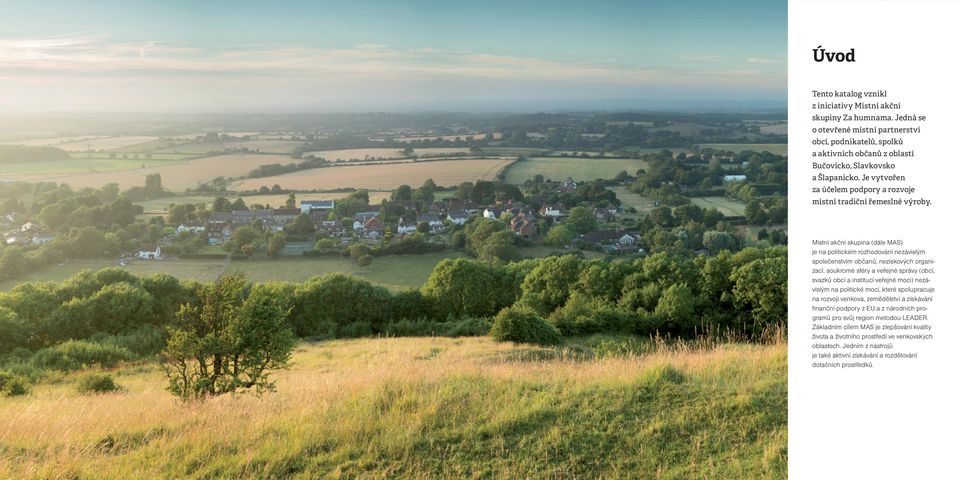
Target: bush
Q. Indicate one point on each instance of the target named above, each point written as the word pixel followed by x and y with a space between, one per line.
pixel 79 354
pixel 583 316
pixel 365 260
pixel 523 326
pixel 97 383
pixel 144 341
pixel 12 385
pixel 467 327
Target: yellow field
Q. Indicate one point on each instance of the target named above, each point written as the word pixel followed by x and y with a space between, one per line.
pixel 176 176
pixel 387 176
pixel 423 408
pixel 384 153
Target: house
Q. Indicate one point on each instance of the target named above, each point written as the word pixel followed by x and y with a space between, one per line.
pixel 613 241
pixel 218 232
pixel 246 217
pixel 405 227
pixel 324 224
pixel 734 178
pixel 602 236
pixel 458 217
pixel 280 217
pixel 27 234
pixel 491 213
pixel 309 206
pixel 568 186
pixel 42 238
pixel 554 211
pixel 604 215
pixel 466 205
pixel 523 226
pixel 193 226
pixel 433 220
pixel 373 228
pixel 360 219
pixel 149 252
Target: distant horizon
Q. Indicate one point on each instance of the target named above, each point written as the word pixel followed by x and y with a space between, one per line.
pixel 299 56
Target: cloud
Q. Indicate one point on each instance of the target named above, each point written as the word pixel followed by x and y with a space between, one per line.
pixel 81 66
pixel 763 61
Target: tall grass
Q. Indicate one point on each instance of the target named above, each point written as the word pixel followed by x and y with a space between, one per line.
pixel 428 408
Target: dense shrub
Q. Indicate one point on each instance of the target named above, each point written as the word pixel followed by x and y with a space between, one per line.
pixel 582 315
pixel 467 327
pixel 144 341
pixel 97 383
pixel 12 385
pixel 78 354
pixel 521 325
pixel 323 305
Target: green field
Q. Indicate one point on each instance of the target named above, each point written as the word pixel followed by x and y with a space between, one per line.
pixel 727 206
pixel 398 272
pixel 635 200
pixel 394 272
pixel 775 148
pixel 580 169
pixel 426 408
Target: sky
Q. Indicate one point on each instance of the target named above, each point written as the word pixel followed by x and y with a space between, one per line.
pixel 317 56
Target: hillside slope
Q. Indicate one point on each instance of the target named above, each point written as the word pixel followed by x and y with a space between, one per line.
pixel 425 408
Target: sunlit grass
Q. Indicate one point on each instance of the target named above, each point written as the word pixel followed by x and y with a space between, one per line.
pixel 425 407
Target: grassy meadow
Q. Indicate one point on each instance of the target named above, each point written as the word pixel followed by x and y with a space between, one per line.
pixel 727 206
pixel 427 408
pixel 397 273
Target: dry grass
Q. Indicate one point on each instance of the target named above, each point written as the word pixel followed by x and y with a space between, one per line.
pixel 176 176
pixel 384 176
pixel 424 408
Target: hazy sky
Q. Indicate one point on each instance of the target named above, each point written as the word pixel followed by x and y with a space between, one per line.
pixel 171 55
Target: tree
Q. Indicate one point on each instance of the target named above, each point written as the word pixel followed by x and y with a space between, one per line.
pixel 760 287
pixel 291 201
pixel 221 204
pixel 331 305
pixel 403 192
pixel 276 244
pixel 717 241
pixel 301 226
pixel 461 287
pixel 230 340
pixel 548 285
pixel 558 236
pixel 490 240
pixel 177 214
pixel 581 220
pixel 677 307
